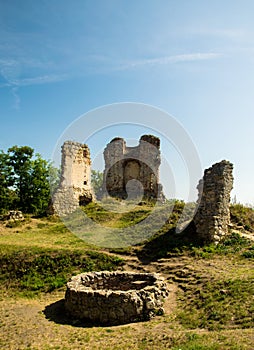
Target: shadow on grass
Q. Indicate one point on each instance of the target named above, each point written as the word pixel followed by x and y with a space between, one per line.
pixel 55 312
pixel 169 244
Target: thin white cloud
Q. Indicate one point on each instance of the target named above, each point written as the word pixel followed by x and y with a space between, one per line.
pixel 45 79
pixel 232 34
pixel 14 91
pixel 11 70
pixel 171 59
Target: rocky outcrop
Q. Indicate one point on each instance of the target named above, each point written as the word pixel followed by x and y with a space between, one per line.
pixel 213 215
pixel 75 186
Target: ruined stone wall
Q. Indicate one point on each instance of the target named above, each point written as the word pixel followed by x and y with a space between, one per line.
pixel 133 169
pixel 75 186
pixel 113 298
pixel 113 177
pixel 213 215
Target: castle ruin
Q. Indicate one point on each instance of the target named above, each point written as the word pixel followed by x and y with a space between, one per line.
pixel 213 215
pixel 133 171
pixel 75 185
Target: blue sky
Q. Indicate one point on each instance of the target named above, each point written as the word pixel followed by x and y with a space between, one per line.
pixel 192 59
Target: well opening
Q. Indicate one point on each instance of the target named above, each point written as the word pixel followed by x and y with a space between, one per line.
pixel 121 282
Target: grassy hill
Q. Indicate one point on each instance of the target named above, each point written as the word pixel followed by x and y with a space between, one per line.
pixel 210 305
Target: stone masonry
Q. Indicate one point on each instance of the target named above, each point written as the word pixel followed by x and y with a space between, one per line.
pixel 75 186
pixel 213 215
pixel 133 171
pixel 112 298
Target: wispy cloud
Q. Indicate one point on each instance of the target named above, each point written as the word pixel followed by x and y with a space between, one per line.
pixel 230 34
pixel 11 72
pixel 171 60
pixel 14 91
pixel 44 79
pixel 20 73
pixel 15 84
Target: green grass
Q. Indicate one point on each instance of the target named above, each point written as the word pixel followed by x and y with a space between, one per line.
pixel 213 306
pixel 42 255
pixel 34 270
pixel 117 215
pixel 232 244
pixel 130 225
pixel 199 341
pixel 242 216
pixel 116 224
pixel 43 233
pixel 216 305
pixel 249 253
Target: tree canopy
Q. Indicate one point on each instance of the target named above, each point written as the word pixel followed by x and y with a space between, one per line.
pixel 25 181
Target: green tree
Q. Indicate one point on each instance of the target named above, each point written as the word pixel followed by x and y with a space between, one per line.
pixel 97 181
pixel 44 181
pixel 31 178
pixel 39 189
pixel 20 159
pixel 7 195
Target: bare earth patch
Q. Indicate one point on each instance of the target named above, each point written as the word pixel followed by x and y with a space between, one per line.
pixel 25 326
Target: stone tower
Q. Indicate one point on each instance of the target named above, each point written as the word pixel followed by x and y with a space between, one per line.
pixel 75 186
pixel 213 215
pixel 133 171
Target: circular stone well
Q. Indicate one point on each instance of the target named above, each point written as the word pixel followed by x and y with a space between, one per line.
pixel 113 298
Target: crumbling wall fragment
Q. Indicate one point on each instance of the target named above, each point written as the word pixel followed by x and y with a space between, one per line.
pixel 213 215
pixel 75 185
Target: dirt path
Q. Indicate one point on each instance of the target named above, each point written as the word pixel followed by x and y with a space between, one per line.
pixel 40 324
